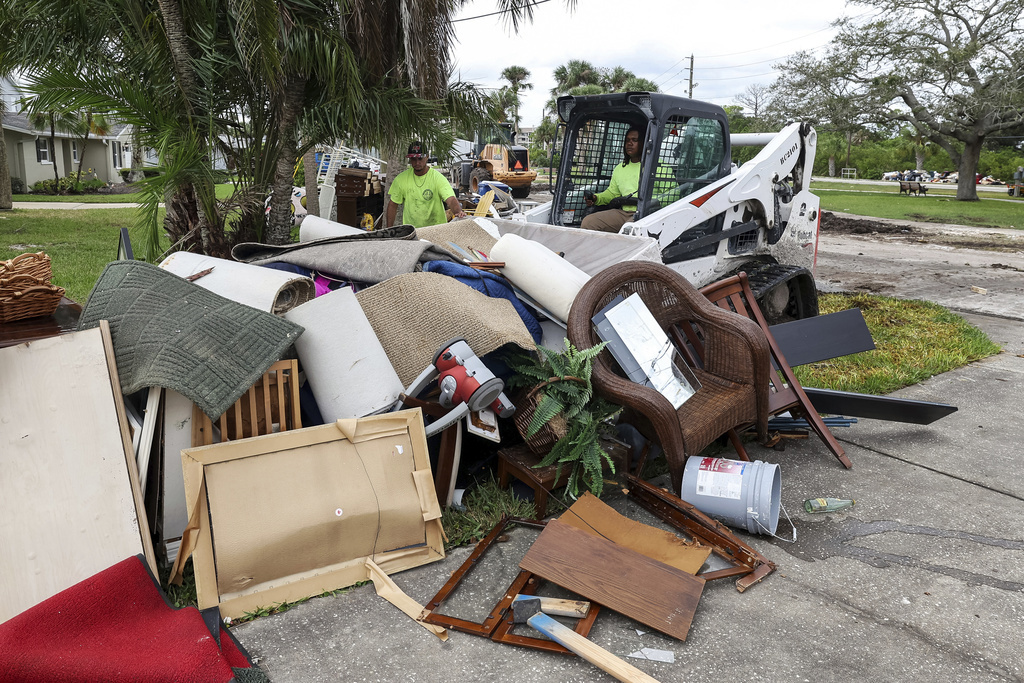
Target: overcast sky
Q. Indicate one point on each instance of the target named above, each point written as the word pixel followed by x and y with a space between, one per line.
pixel 734 43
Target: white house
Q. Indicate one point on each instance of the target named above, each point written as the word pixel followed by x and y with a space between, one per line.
pixel 31 155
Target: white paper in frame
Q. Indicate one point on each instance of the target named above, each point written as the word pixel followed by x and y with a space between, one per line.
pixel 651 349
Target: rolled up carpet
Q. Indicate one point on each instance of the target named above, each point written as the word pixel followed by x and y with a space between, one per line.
pixel 170 333
pixel 551 280
pixel 267 289
pixel 346 366
pixel 414 314
pixel 316 228
pixel 353 258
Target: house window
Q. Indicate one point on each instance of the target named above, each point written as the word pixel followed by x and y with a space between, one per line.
pixel 74 151
pixel 44 151
pixel 115 150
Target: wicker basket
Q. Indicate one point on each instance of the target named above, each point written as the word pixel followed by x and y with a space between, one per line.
pixel 37 265
pixel 24 296
pixel 548 435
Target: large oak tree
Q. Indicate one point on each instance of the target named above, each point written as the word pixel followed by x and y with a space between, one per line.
pixel 953 70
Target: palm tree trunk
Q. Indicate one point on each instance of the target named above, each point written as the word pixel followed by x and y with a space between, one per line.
pixel 85 141
pixel 136 175
pixel 6 202
pixel 177 41
pixel 309 169
pixel 53 149
pixel 397 161
pixel 279 228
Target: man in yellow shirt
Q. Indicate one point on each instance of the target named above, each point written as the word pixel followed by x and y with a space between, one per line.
pixel 423 193
pixel 625 183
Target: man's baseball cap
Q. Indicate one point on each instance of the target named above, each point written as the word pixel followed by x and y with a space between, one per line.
pixel 416 150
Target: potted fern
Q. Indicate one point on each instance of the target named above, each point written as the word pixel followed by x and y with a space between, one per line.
pixel 560 402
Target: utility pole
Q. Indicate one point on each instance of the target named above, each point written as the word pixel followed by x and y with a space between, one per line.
pixel 690 95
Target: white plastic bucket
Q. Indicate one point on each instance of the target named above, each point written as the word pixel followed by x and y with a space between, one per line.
pixel 745 495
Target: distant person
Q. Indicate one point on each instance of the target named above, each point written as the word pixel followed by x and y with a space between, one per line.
pixel 624 188
pixel 422 193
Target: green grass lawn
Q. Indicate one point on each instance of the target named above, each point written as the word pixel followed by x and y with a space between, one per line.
pixel 887 187
pixel 986 213
pixel 914 340
pixel 80 242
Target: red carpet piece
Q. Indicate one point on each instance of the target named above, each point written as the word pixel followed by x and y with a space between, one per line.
pixel 115 626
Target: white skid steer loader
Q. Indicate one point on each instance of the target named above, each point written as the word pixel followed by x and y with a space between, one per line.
pixel 710 218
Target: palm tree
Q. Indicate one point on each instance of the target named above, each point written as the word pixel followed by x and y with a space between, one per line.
pixel 638 84
pixel 6 202
pixel 95 124
pixel 49 119
pixel 517 78
pixel 244 80
pixel 572 74
pixel 918 142
pixel 615 79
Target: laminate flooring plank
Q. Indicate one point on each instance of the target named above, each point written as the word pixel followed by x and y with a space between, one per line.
pixel 621 579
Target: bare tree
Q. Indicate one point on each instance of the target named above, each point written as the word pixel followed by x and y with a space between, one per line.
pixel 755 98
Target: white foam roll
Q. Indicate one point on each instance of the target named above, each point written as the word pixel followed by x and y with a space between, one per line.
pixel 345 365
pixel 547 277
pixel 315 228
pixel 267 289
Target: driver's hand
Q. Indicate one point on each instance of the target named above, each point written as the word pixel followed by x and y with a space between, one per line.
pixel 588 198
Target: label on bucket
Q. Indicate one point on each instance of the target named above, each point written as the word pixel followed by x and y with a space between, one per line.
pixel 720 478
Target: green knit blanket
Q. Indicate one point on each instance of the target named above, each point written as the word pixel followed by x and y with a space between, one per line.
pixel 168 332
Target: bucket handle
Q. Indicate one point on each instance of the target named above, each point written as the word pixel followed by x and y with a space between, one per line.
pixel 753 515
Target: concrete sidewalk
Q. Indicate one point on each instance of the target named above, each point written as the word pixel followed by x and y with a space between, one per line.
pixel 75 205
pixel 922 580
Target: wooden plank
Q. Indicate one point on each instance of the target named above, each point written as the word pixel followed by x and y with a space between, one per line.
pixel 632 584
pixel 823 337
pixel 889 408
pixel 70 503
pixel 141 522
pixel 149 420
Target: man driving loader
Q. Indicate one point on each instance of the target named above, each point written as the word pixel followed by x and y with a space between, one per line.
pixel 423 193
pixel 622 191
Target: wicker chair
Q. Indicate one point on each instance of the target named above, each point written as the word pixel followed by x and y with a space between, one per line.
pixel 728 353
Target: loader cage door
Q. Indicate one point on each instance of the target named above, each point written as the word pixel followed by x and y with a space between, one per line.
pixel 595 146
pixel 689 158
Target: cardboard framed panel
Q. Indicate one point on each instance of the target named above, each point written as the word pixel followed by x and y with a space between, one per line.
pixel 69 487
pixel 282 517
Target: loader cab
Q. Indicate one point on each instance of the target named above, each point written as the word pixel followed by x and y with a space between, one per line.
pixel 685 147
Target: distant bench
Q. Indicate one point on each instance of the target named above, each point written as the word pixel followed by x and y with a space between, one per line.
pixel 914 188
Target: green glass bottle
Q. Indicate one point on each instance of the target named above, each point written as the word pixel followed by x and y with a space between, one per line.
pixel 827 504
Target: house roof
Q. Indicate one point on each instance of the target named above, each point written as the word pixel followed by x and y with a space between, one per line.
pixel 21 123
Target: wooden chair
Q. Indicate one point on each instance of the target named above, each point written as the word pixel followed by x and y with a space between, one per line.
pixel 271 405
pixel 734 294
pixel 733 371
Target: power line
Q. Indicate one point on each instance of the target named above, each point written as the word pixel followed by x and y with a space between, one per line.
pixel 733 54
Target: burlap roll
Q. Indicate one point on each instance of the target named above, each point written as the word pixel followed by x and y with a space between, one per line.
pixel 414 314
pixel 465 233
